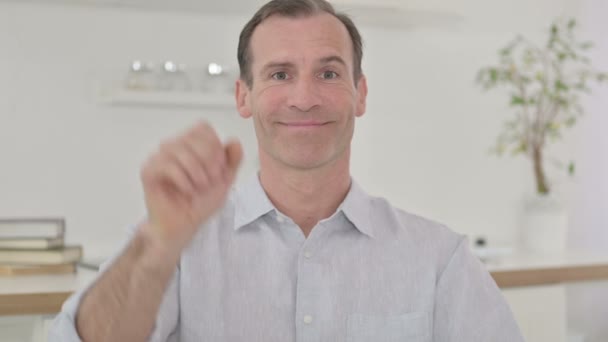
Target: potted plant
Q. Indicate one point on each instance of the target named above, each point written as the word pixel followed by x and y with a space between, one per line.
pixel 545 84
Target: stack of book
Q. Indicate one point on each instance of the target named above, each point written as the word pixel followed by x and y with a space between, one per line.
pixel 31 246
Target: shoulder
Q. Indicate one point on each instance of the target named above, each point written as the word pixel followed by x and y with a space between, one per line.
pixel 400 221
pixel 423 236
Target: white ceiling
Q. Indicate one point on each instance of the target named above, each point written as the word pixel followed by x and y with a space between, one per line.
pixel 391 13
pixel 444 14
pixel 246 6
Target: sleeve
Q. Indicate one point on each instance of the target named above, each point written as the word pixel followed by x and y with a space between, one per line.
pixel 63 328
pixel 469 305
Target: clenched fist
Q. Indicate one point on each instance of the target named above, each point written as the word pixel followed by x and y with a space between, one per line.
pixel 185 182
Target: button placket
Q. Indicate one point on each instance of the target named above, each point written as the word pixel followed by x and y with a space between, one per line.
pixel 308 295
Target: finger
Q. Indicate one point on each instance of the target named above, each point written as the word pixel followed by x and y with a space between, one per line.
pixel 190 165
pixel 234 156
pixel 209 151
pixel 161 169
pixel 193 168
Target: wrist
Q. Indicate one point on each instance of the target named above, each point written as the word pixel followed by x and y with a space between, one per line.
pixel 157 248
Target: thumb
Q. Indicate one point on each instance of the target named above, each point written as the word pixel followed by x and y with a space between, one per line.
pixel 234 156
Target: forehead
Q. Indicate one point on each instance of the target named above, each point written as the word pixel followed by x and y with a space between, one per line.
pixel 280 37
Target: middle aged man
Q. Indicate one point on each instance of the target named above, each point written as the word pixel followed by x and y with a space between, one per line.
pixel 300 252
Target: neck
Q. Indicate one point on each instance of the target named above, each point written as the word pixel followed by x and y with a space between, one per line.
pixel 306 196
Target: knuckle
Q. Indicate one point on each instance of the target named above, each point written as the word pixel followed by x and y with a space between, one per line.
pixel 166 146
pixel 200 128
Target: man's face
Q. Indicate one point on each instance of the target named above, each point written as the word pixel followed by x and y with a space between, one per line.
pixel 304 98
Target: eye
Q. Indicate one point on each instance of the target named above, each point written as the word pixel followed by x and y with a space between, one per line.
pixel 280 76
pixel 329 75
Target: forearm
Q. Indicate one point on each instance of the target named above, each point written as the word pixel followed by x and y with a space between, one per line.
pixel 123 305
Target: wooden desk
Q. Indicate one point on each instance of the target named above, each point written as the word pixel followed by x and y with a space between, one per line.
pixel 527 269
pixel 37 295
pixel 40 294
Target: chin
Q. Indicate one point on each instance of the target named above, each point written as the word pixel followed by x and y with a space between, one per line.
pixel 306 165
pixel 307 161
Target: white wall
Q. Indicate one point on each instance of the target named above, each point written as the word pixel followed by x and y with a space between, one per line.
pixel 589 228
pixel 590 220
pixel 64 153
pixel 422 143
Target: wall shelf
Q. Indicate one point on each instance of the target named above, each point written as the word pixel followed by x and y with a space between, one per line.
pixel 169 99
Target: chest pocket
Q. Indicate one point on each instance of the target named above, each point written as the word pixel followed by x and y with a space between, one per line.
pixel 411 327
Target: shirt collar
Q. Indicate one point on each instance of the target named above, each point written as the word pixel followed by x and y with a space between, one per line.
pixel 357 209
pixel 251 203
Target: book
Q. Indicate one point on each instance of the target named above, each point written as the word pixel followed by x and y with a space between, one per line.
pixel 67 254
pixel 17 270
pixel 31 243
pixel 18 228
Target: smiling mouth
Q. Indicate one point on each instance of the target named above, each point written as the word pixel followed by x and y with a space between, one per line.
pixel 303 124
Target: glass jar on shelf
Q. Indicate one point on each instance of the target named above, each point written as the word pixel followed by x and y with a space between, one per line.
pixel 173 77
pixel 140 76
pixel 218 79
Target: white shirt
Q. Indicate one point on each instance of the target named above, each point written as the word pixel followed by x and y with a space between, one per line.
pixel 370 272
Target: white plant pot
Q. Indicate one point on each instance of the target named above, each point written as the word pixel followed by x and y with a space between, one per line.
pixel 544 224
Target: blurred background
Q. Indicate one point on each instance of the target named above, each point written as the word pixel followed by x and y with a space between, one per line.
pixel 89 88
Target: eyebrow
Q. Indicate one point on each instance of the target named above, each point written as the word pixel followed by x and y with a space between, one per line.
pixel 330 59
pixel 277 65
pixel 287 65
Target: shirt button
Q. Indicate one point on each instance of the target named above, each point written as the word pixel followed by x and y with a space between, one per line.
pixel 280 219
pixel 308 319
pixel 307 255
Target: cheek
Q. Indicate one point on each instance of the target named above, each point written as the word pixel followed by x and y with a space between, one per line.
pixel 339 95
pixel 342 107
pixel 268 103
pixel 271 95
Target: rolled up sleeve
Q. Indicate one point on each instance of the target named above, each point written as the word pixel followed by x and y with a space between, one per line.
pixel 63 327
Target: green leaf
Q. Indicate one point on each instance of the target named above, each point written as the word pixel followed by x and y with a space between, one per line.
pixel 571 24
pixel 553 126
pixel 540 76
pixel 571 168
pixel 586 45
pixel 520 148
pixel 571 121
pixel 493 74
pixel 562 101
pixel 505 52
pixel 561 86
pixel 517 100
pixel 553 130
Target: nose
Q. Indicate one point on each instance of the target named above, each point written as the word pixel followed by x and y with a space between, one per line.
pixel 304 95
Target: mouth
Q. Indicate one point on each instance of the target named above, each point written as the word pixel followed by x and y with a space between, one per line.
pixel 304 124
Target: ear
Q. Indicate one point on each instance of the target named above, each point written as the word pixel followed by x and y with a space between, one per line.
pixel 242 98
pixel 361 96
